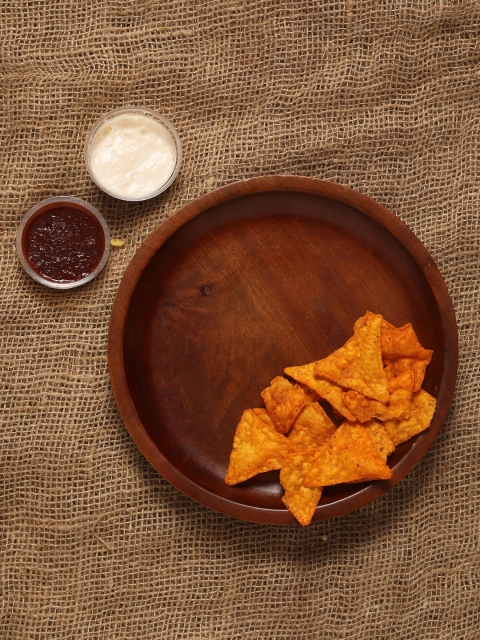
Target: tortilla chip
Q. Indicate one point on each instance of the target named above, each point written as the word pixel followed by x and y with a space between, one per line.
pixel 257 447
pixel 349 456
pixel 361 407
pixel 379 436
pixel 402 351
pixel 361 322
pixel 403 343
pixel 325 389
pixel 338 416
pixel 401 348
pixel 284 401
pixel 312 428
pixel 421 414
pixel 402 365
pixel 300 500
pixel 397 342
pixel 401 389
pixel 358 364
pixel 312 395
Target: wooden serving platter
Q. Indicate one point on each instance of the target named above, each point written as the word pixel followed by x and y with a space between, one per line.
pixel 247 280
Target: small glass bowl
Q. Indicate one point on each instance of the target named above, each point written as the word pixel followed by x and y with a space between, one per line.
pixel 48 205
pixel 135 111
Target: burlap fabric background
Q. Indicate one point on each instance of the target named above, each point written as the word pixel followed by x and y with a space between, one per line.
pixel 380 96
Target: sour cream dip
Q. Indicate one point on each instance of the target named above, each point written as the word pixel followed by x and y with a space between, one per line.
pixel 133 153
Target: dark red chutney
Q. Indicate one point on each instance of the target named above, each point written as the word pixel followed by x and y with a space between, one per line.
pixel 63 243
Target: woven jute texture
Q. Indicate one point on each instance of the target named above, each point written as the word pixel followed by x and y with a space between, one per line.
pixel 381 96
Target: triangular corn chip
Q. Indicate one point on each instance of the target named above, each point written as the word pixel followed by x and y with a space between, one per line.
pixel 361 322
pixel 349 456
pixel 300 500
pixel 379 436
pixel 402 365
pixel 325 388
pixel 338 416
pixel 397 342
pixel 284 401
pixel 312 395
pixel 263 414
pixel 257 447
pixel 421 414
pixel 403 343
pixel 312 428
pixel 402 349
pixel 401 392
pixel 358 364
pixel 401 389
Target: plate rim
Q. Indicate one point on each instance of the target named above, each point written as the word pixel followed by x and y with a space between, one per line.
pixel 152 244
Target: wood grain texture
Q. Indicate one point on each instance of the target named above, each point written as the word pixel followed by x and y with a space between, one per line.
pixel 251 278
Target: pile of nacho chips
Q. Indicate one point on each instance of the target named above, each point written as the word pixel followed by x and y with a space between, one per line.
pixel 373 382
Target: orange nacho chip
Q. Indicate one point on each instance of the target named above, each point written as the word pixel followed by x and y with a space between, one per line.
pixel 284 401
pixel 325 388
pixel 358 364
pixel 401 389
pixel 257 447
pixel 361 322
pixel 401 392
pixel 312 427
pixel 312 395
pixel 379 436
pixel 421 414
pixel 349 456
pixel 338 416
pixel 300 500
pixel 403 343
pixel 401 349
pixel 402 365
pixel 310 430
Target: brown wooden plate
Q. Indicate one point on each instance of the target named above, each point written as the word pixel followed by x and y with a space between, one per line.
pixel 247 280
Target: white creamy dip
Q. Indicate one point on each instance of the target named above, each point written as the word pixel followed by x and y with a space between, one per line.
pixel 132 155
